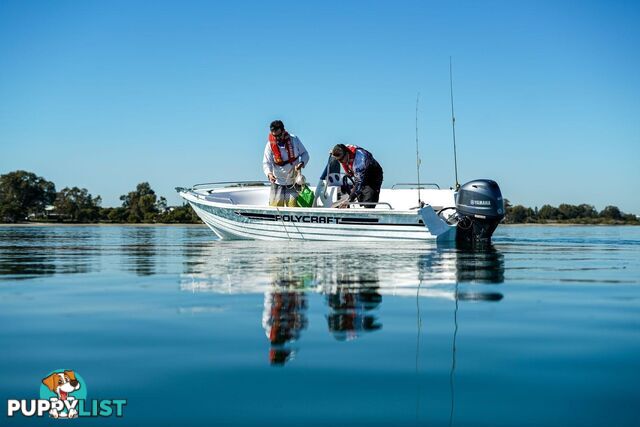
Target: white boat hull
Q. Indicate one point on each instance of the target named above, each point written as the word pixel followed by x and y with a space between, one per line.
pixel 232 221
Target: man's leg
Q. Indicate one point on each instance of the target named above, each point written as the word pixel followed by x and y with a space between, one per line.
pixel 277 195
pixel 292 197
pixel 372 184
pixel 369 195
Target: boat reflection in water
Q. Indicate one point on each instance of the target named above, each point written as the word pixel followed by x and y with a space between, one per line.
pixel 352 279
pixel 284 317
pixel 352 301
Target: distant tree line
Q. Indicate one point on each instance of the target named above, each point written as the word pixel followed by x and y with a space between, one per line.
pixel 24 196
pixel 569 214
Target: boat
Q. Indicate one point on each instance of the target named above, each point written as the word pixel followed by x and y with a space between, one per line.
pixel 467 214
pixel 405 212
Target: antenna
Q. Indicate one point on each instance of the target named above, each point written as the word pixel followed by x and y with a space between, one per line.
pixel 453 125
pixel 417 152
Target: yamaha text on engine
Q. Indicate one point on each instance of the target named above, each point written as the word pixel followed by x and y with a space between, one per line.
pixel 480 208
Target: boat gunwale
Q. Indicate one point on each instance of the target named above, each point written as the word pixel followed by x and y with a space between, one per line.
pixel 318 209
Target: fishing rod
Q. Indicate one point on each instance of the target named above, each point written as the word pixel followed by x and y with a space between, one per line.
pixel 453 125
pixel 417 153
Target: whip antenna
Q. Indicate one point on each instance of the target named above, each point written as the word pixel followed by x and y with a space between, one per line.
pixel 417 152
pixel 453 125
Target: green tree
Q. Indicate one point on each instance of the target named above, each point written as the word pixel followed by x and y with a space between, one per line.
pixel 24 193
pixel 118 214
pixel 179 215
pixel 77 204
pixel 518 214
pixel 548 212
pixel 587 211
pixel 566 211
pixel 142 205
pixel 611 212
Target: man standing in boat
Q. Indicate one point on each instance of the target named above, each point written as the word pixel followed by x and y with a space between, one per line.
pixel 284 155
pixel 365 171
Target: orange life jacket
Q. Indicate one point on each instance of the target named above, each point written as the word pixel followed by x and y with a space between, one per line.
pixel 277 157
pixel 348 165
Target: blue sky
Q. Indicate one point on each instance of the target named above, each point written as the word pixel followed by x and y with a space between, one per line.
pixel 106 94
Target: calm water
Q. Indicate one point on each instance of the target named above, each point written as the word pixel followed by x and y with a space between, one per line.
pixel 542 329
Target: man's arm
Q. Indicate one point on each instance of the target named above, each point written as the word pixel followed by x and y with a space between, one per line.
pixel 268 163
pixel 359 167
pixel 303 155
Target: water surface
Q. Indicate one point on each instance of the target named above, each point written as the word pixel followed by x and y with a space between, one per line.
pixel 540 329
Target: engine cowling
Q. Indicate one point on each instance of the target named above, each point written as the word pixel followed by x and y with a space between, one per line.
pixel 480 208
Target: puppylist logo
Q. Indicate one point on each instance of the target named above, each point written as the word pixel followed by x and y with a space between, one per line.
pixel 63 394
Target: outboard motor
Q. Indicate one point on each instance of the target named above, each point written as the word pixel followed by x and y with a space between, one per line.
pixel 480 209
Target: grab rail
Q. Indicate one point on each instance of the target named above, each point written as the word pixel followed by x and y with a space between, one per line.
pixel 415 183
pixel 203 197
pixel 233 184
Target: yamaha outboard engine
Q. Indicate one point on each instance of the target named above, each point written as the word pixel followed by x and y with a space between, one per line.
pixel 480 209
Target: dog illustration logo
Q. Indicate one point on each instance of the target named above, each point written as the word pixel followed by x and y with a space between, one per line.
pixel 65 386
pixel 63 395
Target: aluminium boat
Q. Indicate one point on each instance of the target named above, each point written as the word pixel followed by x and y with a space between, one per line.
pixel 240 210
